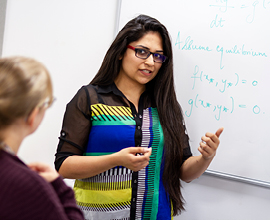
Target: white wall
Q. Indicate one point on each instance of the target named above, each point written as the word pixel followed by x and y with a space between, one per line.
pixel 212 198
pixel 71 37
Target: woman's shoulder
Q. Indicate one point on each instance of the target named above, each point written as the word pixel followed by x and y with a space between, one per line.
pixel 23 189
pixel 10 164
pixel 89 87
pixel 86 91
pixel 17 177
pixel 15 171
pixel 92 94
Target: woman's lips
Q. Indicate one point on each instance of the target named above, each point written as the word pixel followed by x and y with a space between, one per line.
pixel 146 72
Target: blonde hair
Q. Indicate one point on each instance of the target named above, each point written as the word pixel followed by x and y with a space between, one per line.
pixel 24 84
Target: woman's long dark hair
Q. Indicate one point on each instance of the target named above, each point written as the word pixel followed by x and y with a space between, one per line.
pixel 162 87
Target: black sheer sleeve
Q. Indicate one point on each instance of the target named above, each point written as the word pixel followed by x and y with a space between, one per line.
pixel 75 128
pixel 186 151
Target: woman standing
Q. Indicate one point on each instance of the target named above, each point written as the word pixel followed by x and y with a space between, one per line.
pixel 39 192
pixel 123 137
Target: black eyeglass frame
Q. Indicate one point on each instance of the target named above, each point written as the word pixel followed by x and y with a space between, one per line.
pixel 164 58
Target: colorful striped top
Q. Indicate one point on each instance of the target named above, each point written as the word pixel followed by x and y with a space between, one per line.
pixel 114 124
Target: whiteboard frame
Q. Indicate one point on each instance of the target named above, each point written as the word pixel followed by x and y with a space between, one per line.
pixel 3 7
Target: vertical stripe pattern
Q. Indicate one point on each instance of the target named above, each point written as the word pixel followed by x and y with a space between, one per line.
pixel 108 195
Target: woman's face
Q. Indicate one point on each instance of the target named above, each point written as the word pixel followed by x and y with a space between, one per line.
pixel 139 71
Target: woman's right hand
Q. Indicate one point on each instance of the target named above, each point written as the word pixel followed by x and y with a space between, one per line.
pixel 134 158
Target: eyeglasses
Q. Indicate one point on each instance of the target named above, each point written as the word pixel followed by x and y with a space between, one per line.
pixel 47 103
pixel 44 105
pixel 144 54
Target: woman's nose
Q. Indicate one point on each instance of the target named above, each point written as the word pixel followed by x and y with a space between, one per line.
pixel 150 60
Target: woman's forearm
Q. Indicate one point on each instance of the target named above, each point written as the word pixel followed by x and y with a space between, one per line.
pixel 79 167
pixel 194 167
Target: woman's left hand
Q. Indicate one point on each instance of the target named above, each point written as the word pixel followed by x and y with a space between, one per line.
pixel 44 170
pixel 209 144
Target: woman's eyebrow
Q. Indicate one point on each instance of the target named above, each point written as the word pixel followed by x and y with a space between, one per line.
pixel 159 51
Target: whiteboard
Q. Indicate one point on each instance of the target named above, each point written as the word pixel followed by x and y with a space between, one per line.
pixel 222 72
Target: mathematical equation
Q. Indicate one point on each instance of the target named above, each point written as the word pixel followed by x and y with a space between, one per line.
pixel 222 85
pixel 219 109
pixel 251 8
pixel 189 45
